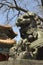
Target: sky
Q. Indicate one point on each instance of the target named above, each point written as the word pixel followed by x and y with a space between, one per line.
pixel 32 6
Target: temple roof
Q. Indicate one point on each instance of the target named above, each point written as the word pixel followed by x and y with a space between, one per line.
pixel 8 31
pixel 7 41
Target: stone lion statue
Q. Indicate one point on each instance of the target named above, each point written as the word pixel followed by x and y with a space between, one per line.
pixel 31 32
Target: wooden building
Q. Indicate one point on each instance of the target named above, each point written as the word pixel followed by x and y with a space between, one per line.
pixel 6 41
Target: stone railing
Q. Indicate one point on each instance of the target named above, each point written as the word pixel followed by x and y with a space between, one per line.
pixel 22 62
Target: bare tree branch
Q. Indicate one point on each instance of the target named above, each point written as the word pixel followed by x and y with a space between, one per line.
pixel 8 14
pixel 21 9
pixel 12 6
pixel 15 3
pixel 18 13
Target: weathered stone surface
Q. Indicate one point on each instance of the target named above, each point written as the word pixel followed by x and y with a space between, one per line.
pixel 31 29
pixel 22 62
